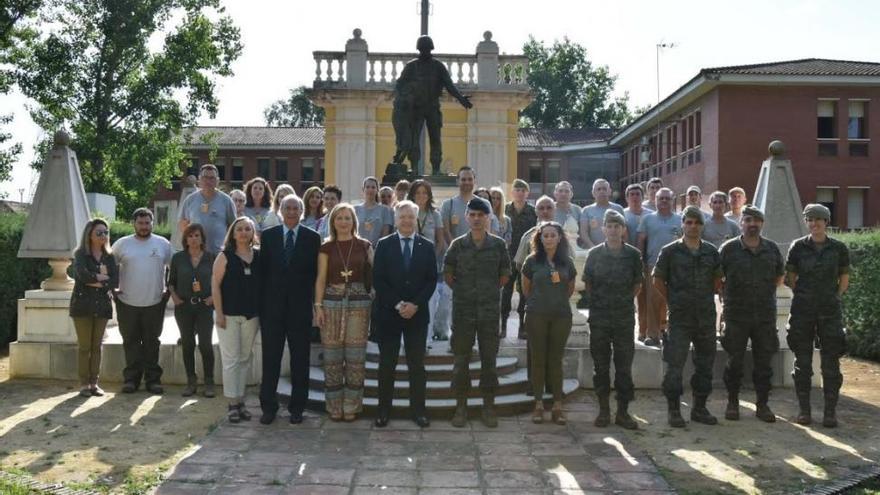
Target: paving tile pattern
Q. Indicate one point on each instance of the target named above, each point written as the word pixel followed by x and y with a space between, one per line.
pixel 323 457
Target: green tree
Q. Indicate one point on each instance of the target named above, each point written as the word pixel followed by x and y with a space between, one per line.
pixel 125 77
pixel 569 91
pixel 296 111
pixel 12 15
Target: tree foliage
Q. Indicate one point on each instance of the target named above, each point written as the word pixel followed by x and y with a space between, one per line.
pixel 569 91
pixel 13 13
pixel 296 111
pixel 125 77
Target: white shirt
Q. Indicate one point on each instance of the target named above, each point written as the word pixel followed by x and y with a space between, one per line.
pixel 142 265
pixel 285 230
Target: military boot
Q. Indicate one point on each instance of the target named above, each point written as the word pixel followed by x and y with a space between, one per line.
pixel 622 418
pixel 804 416
pixel 763 411
pixel 700 414
pixel 675 419
pixel 490 419
pixel 829 419
pixel 459 419
pixel 732 411
pixel 604 417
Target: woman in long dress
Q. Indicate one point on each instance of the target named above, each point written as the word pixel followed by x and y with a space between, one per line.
pixel 342 312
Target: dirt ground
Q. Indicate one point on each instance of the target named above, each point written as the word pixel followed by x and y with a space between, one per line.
pixel 749 456
pixel 119 442
pixel 125 442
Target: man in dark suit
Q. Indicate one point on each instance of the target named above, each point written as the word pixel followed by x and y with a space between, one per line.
pixel 289 264
pixel 404 276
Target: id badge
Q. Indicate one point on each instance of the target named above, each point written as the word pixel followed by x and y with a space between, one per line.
pixel 102 269
pixel 204 207
pixel 247 270
pixel 554 276
pixel 197 286
pixel 454 220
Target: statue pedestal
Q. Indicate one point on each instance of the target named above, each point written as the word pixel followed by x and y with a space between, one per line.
pixel 580 329
pixel 395 172
pixel 44 325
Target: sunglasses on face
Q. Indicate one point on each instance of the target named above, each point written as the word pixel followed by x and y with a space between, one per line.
pixel 101 233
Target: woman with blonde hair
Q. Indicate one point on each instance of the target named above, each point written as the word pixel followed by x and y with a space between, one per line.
pixel 280 193
pixel 313 200
pixel 258 204
pixel 235 286
pixel 496 200
pixel 342 312
pixel 95 276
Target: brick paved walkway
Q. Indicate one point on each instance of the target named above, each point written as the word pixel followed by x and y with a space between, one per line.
pixel 322 457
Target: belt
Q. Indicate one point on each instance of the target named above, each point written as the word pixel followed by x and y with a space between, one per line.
pixel 196 300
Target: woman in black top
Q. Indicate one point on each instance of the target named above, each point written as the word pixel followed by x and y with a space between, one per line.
pixel 236 290
pixel 95 276
pixel 189 281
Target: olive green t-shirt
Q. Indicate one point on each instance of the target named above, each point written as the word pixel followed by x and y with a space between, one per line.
pixel 546 296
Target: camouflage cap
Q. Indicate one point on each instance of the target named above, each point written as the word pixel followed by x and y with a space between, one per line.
pixel 693 212
pixel 752 211
pixel 815 210
pixel 613 216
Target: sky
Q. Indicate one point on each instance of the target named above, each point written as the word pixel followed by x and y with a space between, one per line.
pixel 279 37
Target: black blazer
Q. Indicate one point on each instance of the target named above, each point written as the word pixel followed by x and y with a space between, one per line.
pixel 288 290
pixel 393 283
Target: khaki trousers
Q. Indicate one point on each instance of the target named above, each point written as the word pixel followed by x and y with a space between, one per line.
pixel 89 335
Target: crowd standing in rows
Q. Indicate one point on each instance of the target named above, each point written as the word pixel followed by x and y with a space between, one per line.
pixel 396 267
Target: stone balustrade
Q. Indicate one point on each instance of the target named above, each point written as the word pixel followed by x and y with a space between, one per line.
pixel 357 68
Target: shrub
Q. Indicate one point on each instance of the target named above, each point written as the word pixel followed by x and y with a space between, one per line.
pixel 861 303
pixel 19 275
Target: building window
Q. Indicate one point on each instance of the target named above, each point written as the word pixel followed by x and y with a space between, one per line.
pixel 690 132
pixel 855 208
pixel 698 130
pixel 552 171
pixel 193 168
pixel 827 148
pixel 536 175
pixel 220 163
pixel 308 170
pixel 826 196
pixel 263 169
pixel 320 176
pixel 684 134
pixel 281 169
pixel 857 125
pixel 238 169
pixel 826 127
pixel 674 140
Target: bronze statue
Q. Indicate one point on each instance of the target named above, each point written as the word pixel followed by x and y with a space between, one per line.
pixel 417 101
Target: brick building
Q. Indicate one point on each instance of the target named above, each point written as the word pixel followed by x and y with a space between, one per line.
pixel 712 132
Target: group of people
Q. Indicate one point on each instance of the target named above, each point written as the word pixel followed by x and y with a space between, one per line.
pixel 396 268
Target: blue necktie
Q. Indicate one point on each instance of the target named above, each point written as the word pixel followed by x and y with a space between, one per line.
pixel 407 252
pixel 288 247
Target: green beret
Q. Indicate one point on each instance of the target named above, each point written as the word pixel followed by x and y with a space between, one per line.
pixel 614 216
pixel 693 212
pixel 814 210
pixel 752 211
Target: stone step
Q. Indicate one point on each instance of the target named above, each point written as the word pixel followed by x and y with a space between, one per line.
pixel 440 372
pixel 437 354
pixel 442 409
pixel 513 383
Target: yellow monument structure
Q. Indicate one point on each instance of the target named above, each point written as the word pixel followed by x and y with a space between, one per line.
pixel 355 87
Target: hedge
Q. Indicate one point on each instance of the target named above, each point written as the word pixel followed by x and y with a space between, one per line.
pixel 20 275
pixel 861 303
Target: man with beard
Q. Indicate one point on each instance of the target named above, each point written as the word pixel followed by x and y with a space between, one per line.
pixel 752 267
pixel 140 301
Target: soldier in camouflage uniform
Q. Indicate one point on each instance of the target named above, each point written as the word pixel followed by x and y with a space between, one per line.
pixel 477 266
pixel 817 270
pixel 752 267
pixel 688 275
pixel 613 274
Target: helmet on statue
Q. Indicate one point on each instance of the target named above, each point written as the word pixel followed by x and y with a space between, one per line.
pixel 425 43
